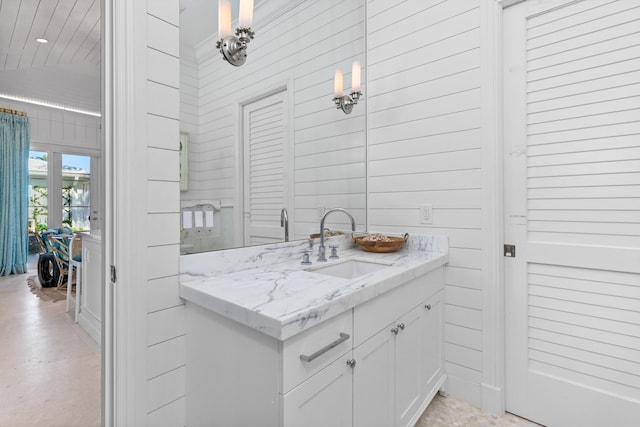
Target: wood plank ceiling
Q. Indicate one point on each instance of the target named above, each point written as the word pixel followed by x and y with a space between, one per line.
pixel 72 28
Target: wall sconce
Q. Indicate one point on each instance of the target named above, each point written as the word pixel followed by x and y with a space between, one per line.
pixel 234 49
pixel 346 102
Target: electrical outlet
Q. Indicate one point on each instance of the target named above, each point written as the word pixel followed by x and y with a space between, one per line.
pixel 426 214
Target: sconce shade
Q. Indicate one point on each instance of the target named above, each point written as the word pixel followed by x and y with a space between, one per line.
pixel 355 76
pixel 224 19
pixel 245 18
pixel 337 83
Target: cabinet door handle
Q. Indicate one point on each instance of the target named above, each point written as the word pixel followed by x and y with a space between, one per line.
pixel 351 363
pixel 395 330
pixel 323 350
pixel 427 306
pixel 401 326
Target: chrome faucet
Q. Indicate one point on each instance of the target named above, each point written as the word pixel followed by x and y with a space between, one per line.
pixel 284 222
pixel 322 257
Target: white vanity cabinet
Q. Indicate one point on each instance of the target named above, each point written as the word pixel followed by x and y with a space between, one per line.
pixel 400 368
pixel 238 376
pixel 376 364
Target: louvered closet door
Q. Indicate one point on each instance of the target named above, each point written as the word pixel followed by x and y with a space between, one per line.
pixel 572 205
pixel 266 169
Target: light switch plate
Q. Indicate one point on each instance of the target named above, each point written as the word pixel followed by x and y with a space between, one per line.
pixel 426 214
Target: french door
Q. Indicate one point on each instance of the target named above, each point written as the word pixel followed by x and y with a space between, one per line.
pixel 572 211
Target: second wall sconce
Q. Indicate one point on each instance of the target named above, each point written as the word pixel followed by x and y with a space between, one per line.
pixel 234 49
pixel 346 102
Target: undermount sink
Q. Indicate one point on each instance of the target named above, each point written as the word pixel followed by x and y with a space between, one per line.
pixel 349 269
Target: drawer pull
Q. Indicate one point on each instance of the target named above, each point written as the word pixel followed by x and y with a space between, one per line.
pixel 323 350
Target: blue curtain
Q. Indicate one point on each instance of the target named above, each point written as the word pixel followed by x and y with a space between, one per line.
pixel 14 193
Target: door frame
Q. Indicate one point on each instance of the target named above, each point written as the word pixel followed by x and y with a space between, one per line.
pixel 493 221
pixel 493 287
pixel 239 104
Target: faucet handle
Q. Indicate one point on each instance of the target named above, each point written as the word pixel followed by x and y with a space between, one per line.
pixel 305 258
pixel 334 252
pixel 310 241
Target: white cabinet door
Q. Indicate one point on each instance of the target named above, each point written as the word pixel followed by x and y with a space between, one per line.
pixel 431 344
pixel 373 381
pixel 407 366
pixel 323 400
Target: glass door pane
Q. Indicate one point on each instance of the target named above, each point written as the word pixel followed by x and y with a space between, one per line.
pixel 38 189
pixel 76 183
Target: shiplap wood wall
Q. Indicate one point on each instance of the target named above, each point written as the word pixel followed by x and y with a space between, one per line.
pixel 424 136
pixel 65 131
pixel 165 320
pixel 297 49
pixel 425 148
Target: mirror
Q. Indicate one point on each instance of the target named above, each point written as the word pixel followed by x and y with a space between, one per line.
pixel 267 135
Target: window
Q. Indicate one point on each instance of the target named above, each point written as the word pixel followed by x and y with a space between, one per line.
pixel 38 189
pixel 53 173
pixel 76 202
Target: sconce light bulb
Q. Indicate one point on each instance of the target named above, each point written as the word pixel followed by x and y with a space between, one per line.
pixel 337 83
pixel 224 19
pixel 356 71
pixel 245 18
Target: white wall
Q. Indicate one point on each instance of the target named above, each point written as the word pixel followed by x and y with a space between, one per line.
pixel 165 344
pixel 63 130
pixel 425 147
pixel 144 195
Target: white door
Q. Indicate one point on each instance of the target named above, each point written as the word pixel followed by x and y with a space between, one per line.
pixel 572 210
pixel 266 169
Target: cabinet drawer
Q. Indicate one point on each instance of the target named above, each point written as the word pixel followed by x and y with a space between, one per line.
pixel 374 315
pixel 324 343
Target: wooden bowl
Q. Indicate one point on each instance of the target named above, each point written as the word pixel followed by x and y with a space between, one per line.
pixel 389 244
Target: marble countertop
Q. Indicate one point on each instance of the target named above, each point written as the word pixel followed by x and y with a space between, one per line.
pixel 267 288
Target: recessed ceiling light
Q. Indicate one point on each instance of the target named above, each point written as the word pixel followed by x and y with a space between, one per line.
pixel 42 40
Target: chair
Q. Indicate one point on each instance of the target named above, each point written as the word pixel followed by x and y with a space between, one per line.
pixel 60 247
pixel 75 249
pixel 69 257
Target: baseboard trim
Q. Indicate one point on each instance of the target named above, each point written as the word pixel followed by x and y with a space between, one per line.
pixel 493 400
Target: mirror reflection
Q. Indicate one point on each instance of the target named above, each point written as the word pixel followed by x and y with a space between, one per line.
pixel 264 145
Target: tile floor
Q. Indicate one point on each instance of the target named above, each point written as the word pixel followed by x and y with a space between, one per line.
pixel 50 369
pixel 449 412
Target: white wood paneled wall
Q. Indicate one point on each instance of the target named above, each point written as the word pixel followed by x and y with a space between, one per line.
pixel 165 340
pixel 299 49
pixel 425 147
pixel 65 131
